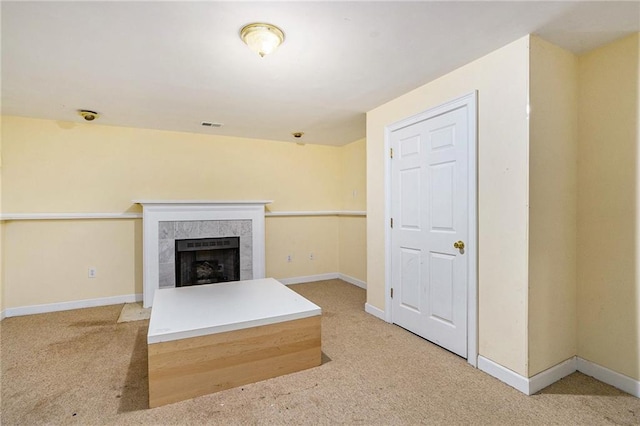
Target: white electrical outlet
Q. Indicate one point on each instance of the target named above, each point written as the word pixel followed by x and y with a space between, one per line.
pixel 288 258
pixel 92 272
pixel 311 256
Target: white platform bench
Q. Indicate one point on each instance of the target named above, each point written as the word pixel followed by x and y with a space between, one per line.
pixel 207 338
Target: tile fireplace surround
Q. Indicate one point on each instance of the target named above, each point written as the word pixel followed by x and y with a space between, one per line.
pixel 198 219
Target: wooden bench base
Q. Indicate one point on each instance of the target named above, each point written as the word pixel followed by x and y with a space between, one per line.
pixel 195 366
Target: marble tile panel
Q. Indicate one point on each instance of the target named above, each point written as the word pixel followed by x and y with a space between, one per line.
pixel 246 254
pixel 246 274
pixel 210 228
pixel 229 228
pixel 246 263
pixel 187 229
pixel 166 251
pixel 166 230
pixel 167 275
pixel 245 228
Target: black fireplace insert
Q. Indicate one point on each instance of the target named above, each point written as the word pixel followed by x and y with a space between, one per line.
pixel 207 261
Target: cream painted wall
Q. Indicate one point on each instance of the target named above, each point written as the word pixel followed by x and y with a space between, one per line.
pixel 501 79
pixel 299 237
pixel 552 205
pixel 353 172
pixel 352 240
pixel 86 167
pixel 609 207
pixel 48 261
pixel 1 234
pixel 65 167
pixel 353 247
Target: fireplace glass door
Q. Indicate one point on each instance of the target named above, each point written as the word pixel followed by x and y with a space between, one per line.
pixel 207 261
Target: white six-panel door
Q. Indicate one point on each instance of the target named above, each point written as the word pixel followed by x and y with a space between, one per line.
pixel 430 213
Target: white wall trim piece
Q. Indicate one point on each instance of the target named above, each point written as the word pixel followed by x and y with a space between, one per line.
pixel 376 312
pixel 352 280
pixel 316 213
pixel 81 216
pixel 352 213
pixel 552 375
pixel 67 216
pixel 323 277
pixel 528 386
pixel 309 278
pixel 503 374
pixel 131 298
pixel 557 372
pixel 76 304
pixel 610 377
pixel 388 279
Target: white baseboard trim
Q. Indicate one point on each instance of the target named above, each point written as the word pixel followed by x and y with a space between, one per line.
pixel 376 312
pixel 323 277
pixel 351 280
pixel 552 375
pixel 130 298
pixel 309 278
pixel 503 374
pixel 76 304
pixel 610 377
pixel 529 386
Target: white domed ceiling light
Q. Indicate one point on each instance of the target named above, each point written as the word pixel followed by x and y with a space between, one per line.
pixel 262 38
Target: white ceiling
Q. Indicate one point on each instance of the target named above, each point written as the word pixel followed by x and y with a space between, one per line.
pixel 171 65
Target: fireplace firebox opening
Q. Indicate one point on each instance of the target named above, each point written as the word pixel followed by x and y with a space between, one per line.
pixel 207 261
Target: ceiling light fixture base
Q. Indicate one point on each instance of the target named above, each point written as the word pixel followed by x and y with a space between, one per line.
pixel 261 37
pixel 88 115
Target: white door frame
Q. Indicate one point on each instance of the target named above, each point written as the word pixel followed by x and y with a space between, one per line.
pixel 470 101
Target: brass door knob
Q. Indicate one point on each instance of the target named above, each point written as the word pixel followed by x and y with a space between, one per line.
pixel 459 245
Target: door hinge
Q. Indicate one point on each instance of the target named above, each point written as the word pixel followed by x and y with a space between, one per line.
pixel 392 292
pixel 391 152
pixel 392 222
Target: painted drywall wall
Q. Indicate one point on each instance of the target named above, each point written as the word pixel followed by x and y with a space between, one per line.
pixel 53 167
pixel 301 237
pixel 353 176
pixel 86 167
pixel 501 79
pixel 352 246
pixel 552 205
pixel 352 238
pixel 609 207
pixel 48 261
pixel 1 234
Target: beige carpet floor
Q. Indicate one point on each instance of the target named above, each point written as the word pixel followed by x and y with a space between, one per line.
pixel 81 367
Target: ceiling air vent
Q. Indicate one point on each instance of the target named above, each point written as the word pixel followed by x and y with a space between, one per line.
pixel 210 124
